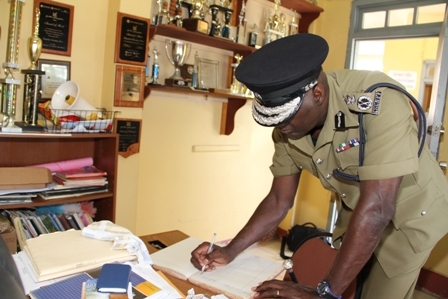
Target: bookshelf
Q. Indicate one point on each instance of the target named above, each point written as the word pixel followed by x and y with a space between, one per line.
pixel 17 150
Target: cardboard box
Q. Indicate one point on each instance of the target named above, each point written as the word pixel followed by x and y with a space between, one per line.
pixel 10 238
pixel 24 178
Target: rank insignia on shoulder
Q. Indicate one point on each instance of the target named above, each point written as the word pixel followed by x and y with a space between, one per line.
pixel 364 102
pixel 349 100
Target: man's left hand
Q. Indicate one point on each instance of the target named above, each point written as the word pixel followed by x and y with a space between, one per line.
pixel 284 289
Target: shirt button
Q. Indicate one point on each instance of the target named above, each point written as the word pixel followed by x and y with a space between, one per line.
pixel 343 195
pixel 319 161
pixel 300 167
pixel 328 176
pixel 423 213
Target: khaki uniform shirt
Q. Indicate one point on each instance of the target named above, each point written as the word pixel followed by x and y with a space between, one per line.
pixel 391 150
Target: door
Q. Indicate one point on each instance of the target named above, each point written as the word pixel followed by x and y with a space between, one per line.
pixel 437 109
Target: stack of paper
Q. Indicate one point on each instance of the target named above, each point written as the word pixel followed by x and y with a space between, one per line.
pixel 63 253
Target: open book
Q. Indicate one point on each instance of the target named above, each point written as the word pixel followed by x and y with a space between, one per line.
pixel 234 280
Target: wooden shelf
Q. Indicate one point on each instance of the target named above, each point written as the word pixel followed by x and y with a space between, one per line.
pixel 199 38
pixel 229 109
pixel 20 150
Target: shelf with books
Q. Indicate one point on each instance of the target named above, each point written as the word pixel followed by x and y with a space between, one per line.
pixel 20 150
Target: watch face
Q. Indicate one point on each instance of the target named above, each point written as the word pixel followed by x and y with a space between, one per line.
pixel 324 291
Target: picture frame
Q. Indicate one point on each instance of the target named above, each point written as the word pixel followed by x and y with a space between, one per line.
pixel 129 131
pixel 207 73
pixel 56 73
pixel 131 39
pixel 55 26
pixel 129 86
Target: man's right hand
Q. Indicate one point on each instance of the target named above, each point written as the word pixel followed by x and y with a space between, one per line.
pixel 218 257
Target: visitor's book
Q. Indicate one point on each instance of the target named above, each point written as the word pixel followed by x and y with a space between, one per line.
pixel 234 280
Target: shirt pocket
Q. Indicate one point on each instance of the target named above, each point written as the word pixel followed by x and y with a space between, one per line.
pixel 423 216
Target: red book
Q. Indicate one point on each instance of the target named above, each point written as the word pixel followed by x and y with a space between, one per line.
pixel 84 172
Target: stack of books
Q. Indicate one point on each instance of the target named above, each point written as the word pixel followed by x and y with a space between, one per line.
pixel 29 224
pixel 74 182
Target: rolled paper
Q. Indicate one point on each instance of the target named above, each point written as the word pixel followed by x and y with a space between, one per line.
pixel 67 164
pixel 69 99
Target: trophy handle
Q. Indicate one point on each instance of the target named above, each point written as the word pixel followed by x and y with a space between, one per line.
pixel 168 44
pixel 187 54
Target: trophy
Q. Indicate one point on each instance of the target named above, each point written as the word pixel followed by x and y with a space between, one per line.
pixel 31 94
pixel 196 20
pixel 177 52
pixel 155 67
pixel 9 85
pixel 241 29
pixel 293 26
pixel 272 29
pixel 217 30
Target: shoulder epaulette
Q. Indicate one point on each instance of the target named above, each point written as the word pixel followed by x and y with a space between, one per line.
pixel 368 103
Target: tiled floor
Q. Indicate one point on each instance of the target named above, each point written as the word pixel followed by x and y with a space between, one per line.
pixel 418 294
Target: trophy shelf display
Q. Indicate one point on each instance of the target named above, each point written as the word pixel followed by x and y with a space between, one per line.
pixel 308 13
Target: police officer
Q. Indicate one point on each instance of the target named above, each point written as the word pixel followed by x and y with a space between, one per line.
pixel 363 145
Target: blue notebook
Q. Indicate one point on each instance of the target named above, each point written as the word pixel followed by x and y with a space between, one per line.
pixel 114 278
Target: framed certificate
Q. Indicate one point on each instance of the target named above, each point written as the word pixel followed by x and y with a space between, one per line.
pixel 129 86
pixel 131 40
pixel 207 73
pixel 56 73
pixel 55 26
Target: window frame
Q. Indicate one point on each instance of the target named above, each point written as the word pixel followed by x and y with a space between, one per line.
pixel 359 7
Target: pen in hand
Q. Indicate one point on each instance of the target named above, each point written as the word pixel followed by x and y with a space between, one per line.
pixel 209 250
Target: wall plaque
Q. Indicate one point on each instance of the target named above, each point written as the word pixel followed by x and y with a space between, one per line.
pixel 55 26
pixel 131 40
pixel 129 139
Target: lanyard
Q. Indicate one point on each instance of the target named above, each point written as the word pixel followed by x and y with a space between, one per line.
pixel 362 136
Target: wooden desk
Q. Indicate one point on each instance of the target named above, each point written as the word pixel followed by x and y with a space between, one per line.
pixel 169 238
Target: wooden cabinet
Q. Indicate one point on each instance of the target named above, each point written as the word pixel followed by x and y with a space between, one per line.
pixel 308 11
pixel 24 150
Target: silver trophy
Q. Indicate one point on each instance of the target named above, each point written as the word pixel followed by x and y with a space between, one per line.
pixel 177 52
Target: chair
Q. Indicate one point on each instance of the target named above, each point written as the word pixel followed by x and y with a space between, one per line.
pixel 312 261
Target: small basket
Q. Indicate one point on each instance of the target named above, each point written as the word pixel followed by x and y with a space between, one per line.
pixel 77 121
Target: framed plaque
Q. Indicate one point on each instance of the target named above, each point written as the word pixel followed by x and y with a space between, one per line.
pixel 207 73
pixel 55 26
pixel 129 136
pixel 56 73
pixel 131 40
pixel 129 86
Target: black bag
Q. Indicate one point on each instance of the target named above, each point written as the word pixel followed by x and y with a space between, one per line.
pixel 297 234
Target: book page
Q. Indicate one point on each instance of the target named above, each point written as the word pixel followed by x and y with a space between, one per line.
pixel 175 259
pixel 237 279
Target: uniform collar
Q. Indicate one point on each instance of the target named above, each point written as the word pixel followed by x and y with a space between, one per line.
pixel 336 104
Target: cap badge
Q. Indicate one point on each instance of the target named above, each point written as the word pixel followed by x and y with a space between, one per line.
pixel 349 100
pixel 364 103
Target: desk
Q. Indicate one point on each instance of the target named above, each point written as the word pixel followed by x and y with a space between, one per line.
pixel 169 238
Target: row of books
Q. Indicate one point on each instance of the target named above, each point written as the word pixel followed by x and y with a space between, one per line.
pixel 29 224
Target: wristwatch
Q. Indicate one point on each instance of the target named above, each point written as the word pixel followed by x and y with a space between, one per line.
pixel 324 291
